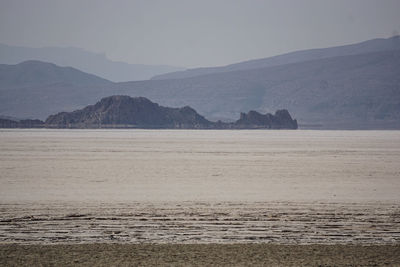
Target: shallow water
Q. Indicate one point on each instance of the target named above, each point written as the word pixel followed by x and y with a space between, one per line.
pixel 115 185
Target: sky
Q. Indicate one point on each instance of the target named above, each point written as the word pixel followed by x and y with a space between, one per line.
pixel 195 33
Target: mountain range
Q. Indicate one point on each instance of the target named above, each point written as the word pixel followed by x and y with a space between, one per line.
pixel 348 87
pixel 374 45
pixel 93 63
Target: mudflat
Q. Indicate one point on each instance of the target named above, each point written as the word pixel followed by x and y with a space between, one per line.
pixel 180 197
pixel 110 166
pixel 199 254
pixel 201 222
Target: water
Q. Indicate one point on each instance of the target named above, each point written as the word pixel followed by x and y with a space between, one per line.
pixel 176 186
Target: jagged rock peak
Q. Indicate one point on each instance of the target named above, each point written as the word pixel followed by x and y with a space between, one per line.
pixel 254 119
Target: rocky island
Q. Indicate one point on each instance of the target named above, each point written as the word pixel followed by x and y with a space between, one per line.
pixel 139 112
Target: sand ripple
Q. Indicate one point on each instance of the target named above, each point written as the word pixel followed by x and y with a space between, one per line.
pixel 196 222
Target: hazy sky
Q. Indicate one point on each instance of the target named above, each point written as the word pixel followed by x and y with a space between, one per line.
pixel 195 32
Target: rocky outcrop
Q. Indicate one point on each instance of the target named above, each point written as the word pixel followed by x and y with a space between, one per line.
pixel 253 119
pixel 8 123
pixel 129 112
pixel 139 112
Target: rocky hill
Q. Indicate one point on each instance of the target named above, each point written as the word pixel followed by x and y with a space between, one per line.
pixel 125 111
pixel 139 112
pixel 253 119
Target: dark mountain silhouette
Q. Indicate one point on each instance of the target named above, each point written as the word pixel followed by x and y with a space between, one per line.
pixel 139 112
pixel 97 64
pixel 253 119
pixel 124 111
pixel 374 45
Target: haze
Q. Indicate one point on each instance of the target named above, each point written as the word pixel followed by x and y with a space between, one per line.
pixel 195 33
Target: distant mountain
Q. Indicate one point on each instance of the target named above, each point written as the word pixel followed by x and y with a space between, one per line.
pixel 139 112
pixel 374 45
pixel 346 92
pixel 357 92
pixel 35 89
pixel 33 72
pixel 89 62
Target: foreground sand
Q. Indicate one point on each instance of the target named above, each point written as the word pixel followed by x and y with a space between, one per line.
pixel 201 222
pixel 312 198
pixel 199 254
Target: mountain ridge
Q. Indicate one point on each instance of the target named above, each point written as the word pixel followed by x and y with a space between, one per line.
pixel 35 72
pixel 374 45
pixel 359 88
pixel 93 63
